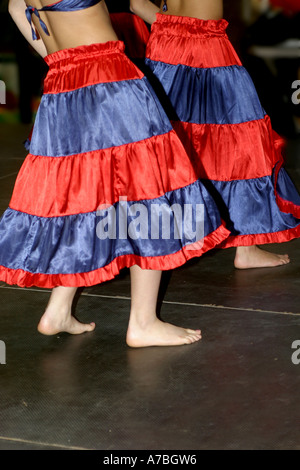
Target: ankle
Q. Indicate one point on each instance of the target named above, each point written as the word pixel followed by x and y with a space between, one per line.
pixel 141 318
pixel 244 250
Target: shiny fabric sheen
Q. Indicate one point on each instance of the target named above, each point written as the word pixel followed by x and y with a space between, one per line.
pixel 94 64
pixel 191 37
pixel 216 112
pixel 101 137
pixel 52 187
pixel 248 150
pixel 250 207
pixel 71 244
pixel 105 131
pixel 193 93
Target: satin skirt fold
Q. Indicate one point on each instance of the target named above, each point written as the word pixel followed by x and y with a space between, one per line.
pixel 107 183
pixel 214 108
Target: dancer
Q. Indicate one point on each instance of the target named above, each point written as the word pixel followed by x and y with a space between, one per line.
pixel 101 143
pixel 216 112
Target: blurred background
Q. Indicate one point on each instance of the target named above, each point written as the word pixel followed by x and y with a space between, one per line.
pixel 266 34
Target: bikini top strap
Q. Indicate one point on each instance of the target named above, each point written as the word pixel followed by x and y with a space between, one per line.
pixel 34 11
pixel 62 5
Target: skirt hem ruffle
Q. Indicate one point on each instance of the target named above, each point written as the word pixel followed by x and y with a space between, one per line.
pixel 160 263
pixel 261 238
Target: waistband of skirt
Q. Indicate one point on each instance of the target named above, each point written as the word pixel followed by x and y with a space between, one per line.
pixel 85 52
pixel 188 25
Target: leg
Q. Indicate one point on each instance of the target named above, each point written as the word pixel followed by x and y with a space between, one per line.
pixel 254 257
pixel 58 317
pixel 145 329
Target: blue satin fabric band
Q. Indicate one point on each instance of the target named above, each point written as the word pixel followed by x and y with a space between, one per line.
pixel 287 189
pixel 72 244
pixel 249 206
pixel 194 93
pixel 109 124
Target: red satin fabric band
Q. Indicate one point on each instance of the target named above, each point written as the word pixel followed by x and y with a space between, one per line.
pixel 199 43
pixel 58 186
pixel 232 151
pixel 110 64
pixel 262 238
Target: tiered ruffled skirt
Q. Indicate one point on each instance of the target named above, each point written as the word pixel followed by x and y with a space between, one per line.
pixel 215 110
pixel 103 160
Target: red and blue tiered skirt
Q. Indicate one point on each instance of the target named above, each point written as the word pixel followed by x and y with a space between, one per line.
pixel 103 159
pixel 215 110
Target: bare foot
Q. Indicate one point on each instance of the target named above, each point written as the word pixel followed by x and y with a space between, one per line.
pixel 52 325
pixel 248 257
pixel 58 316
pixel 158 333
